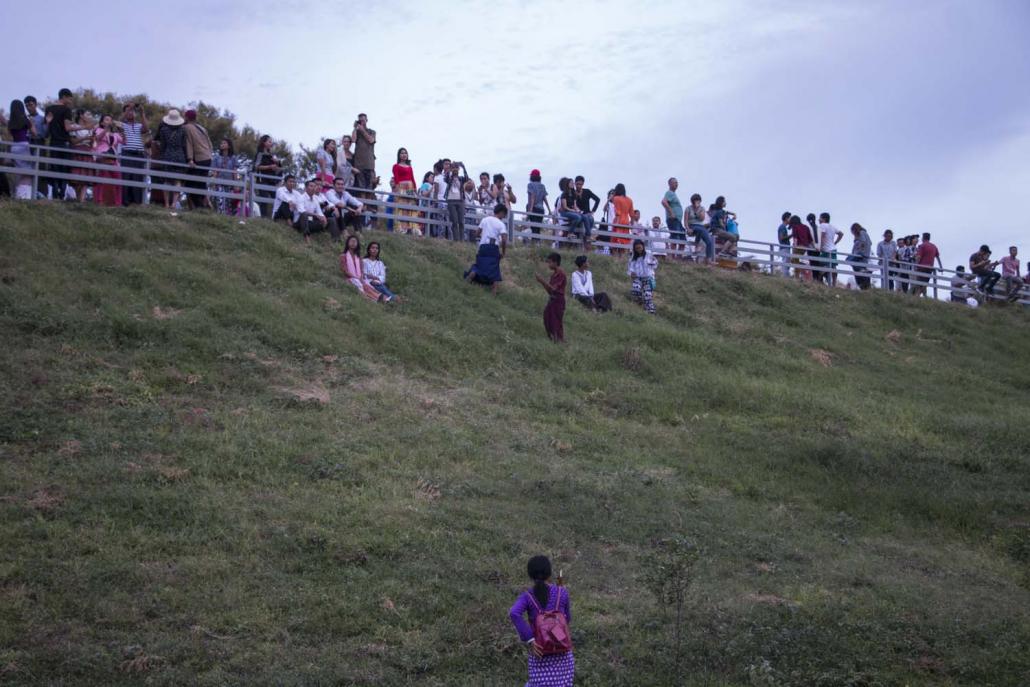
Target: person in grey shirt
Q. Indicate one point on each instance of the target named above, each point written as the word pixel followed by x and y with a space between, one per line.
pixel 887 252
pixel 859 258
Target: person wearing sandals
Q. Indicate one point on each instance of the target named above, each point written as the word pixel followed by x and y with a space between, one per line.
pixel 557 669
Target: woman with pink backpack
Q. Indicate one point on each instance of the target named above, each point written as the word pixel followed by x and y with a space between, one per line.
pixel 547 606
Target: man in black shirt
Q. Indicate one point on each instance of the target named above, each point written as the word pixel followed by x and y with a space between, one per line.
pixel 584 196
pixel 60 124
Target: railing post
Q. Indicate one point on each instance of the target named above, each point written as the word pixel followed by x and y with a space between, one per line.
pixel 772 260
pixel 511 227
pixel 35 177
pixel 884 277
pixel 147 180
pixel 251 195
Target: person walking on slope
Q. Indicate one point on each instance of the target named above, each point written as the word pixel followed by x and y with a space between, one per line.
pixel 547 606
pixel 554 313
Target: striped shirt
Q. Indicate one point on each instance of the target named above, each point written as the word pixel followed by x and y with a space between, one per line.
pixel 133 135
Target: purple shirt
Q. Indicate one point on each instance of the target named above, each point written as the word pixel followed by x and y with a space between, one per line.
pixel 526 604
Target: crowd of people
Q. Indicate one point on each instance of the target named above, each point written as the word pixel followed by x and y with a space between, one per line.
pixel 190 172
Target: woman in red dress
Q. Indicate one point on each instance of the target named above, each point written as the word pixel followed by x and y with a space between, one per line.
pixel 554 313
pixel 404 193
pixel 106 144
pixel 623 214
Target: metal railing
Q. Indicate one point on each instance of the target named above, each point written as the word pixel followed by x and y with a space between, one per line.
pixel 245 187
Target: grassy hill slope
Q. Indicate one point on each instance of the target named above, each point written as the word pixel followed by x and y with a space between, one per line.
pixel 218 465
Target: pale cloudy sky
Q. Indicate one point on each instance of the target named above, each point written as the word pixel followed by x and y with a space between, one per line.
pixel 910 114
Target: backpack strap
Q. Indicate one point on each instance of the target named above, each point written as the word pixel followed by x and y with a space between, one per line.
pixel 532 597
pixel 557 598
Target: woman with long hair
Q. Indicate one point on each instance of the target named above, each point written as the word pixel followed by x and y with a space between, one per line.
pixel 375 271
pixel 353 269
pixel 82 141
pixel 106 144
pixel 326 161
pixel 623 214
pixel 268 168
pixel 404 193
pixel 345 160
pixel 223 167
pixel 20 128
pixel 551 662
pixel 641 270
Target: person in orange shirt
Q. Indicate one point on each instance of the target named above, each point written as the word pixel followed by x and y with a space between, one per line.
pixel 623 214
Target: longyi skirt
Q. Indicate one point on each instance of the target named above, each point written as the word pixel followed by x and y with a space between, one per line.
pixel 557 670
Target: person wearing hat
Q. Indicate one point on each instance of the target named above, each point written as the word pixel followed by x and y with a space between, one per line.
pixel 198 157
pixel 171 143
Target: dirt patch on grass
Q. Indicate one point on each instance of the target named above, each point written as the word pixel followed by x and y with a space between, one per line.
pixel 306 393
pixel 159 313
pixel 824 358
pixel 45 500
pixel 770 600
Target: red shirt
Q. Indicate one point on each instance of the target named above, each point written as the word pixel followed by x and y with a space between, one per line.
pixel 403 173
pixel 926 254
pixel 802 235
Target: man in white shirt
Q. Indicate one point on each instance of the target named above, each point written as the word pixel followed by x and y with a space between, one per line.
pixel 493 244
pixel 345 209
pixel 286 199
pixel 583 287
pixel 656 236
pixel 829 237
pixel 308 217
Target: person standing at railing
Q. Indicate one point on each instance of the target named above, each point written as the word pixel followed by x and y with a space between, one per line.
pixel 134 133
pixel 861 249
pixel 674 217
pixel 887 252
pixel 783 239
pixel 404 193
pixel 223 168
pixel 1010 273
pixel 906 261
pixel 696 218
pixel 106 146
pixel 171 142
pixel 829 237
pixel 926 253
pixel 500 192
pixel 345 161
pixel 536 200
pixel 60 124
pixel 623 216
pixel 20 127
pixel 82 141
pixel 267 168
pixel 364 152
pixel 198 156
pixel 454 177
pixel 37 137
pixel 656 237
pixel 804 248
pixel 325 158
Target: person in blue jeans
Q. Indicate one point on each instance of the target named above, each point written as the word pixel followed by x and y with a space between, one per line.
pixel 567 208
pixel 696 216
pixel 674 218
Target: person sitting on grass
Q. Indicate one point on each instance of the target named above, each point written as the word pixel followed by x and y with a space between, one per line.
pixel 308 212
pixel 350 265
pixel 583 288
pixel 287 198
pixel 641 269
pixel 554 312
pixel 551 662
pixel 493 243
pixel 375 271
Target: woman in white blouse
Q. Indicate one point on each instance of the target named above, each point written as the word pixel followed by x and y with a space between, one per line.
pixel 375 271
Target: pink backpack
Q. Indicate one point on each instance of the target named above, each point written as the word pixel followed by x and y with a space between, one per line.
pixel 550 628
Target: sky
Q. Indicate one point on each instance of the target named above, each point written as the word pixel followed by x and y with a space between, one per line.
pixel 905 114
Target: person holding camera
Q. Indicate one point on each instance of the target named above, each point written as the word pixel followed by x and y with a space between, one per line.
pixel 134 130
pixel 364 152
pixel 454 177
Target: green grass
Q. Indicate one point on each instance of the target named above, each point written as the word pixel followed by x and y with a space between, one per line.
pixel 171 513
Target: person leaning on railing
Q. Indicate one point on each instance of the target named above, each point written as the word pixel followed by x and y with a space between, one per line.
pixel 859 258
pixel 106 143
pixel 171 142
pixel 20 127
pixel 980 264
pixel 267 168
pixel 1010 273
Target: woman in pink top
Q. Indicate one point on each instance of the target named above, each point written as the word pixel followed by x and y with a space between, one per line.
pixel 106 144
pixel 350 265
